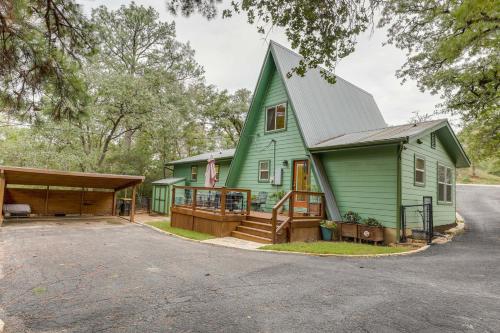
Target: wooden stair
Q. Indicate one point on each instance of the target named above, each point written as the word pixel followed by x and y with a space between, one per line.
pixel 255 228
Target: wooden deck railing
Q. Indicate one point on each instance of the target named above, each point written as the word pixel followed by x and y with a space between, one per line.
pixel 290 197
pixel 222 204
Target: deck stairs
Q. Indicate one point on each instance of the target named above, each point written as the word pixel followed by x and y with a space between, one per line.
pixel 257 227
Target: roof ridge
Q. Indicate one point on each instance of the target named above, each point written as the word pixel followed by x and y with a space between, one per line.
pixel 321 67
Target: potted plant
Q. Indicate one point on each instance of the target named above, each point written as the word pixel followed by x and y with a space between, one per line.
pixel 277 197
pixel 349 227
pixel 371 230
pixel 327 230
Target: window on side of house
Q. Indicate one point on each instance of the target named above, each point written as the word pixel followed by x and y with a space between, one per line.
pixel 276 118
pixel 419 171
pixel 445 184
pixel 433 140
pixel 217 171
pixel 264 167
pixel 194 173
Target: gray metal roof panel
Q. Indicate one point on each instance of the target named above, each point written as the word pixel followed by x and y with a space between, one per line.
pixel 216 155
pixel 390 133
pixel 168 181
pixel 325 110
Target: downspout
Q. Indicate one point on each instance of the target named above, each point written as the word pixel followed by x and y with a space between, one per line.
pixel 400 148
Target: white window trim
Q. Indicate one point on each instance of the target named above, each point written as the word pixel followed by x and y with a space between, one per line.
pixel 196 173
pixel 268 162
pixel 415 169
pixel 276 117
pixel 446 168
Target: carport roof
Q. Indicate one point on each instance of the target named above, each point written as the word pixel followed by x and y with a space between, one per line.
pixel 32 176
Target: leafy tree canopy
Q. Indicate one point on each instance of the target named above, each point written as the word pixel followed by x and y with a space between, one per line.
pixel 42 44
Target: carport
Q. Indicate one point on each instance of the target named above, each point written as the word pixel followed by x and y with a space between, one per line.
pixel 62 193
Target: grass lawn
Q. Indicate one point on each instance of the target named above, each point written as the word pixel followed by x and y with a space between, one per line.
pixel 181 232
pixel 334 248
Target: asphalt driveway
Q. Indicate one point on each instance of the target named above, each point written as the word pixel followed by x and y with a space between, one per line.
pixel 103 277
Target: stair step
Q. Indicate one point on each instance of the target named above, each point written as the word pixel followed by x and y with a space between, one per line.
pixel 258 219
pixel 257 225
pixel 255 231
pixel 253 238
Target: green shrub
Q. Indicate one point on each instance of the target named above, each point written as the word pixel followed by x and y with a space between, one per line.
pixel 352 217
pixel 372 222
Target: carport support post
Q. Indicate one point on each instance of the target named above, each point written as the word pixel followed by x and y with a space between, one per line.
pixel 113 209
pixel 132 204
pixel 2 194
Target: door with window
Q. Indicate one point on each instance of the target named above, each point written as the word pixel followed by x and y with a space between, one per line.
pixel 301 181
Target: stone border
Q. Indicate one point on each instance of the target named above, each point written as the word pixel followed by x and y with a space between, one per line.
pixel 420 249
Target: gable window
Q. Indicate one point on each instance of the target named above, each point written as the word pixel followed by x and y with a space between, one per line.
pixel 217 172
pixel 419 171
pixel 264 167
pixel 445 184
pixel 276 118
pixel 194 173
pixel 433 140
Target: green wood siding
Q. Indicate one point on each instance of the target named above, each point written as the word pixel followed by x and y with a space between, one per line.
pixel 184 171
pixel 258 146
pixel 365 181
pixel 411 194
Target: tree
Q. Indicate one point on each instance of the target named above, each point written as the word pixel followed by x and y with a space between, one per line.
pixel 453 49
pixel 42 44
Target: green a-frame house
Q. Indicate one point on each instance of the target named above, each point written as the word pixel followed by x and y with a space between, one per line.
pixel 306 134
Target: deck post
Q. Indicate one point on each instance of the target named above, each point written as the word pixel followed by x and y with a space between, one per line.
pixel 193 201
pixel 132 204
pixel 249 201
pixel 2 194
pixel 223 201
pixel 290 204
pixel 323 207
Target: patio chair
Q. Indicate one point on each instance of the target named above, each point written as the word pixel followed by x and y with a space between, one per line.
pixel 259 201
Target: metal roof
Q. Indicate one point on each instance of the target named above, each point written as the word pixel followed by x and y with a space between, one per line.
pixel 216 155
pixel 391 133
pixel 325 110
pixel 168 181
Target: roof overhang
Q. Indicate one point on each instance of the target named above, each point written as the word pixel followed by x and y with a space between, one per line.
pixel 46 177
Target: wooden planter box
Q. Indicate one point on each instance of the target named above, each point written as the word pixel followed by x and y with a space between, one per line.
pixel 373 234
pixel 348 230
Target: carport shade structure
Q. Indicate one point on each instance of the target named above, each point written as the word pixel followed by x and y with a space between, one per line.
pixel 45 177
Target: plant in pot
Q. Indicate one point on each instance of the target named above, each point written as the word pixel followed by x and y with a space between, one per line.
pixel 371 230
pixel 277 196
pixel 349 227
pixel 328 229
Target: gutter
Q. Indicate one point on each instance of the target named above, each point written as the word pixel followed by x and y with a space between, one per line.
pixel 399 190
pixel 368 144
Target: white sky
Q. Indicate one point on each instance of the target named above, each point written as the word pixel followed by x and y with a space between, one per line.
pixel 231 52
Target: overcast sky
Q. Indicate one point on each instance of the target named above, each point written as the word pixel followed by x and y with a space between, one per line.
pixel 231 52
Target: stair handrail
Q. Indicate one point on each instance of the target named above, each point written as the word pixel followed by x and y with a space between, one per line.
pixel 289 196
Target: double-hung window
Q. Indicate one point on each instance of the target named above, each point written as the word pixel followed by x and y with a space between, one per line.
pixel 419 171
pixel 445 184
pixel 194 173
pixel 276 117
pixel 264 174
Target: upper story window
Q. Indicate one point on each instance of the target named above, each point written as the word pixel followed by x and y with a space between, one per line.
pixel 419 171
pixel 276 117
pixel 194 173
pixel 217 172
pixel 445 184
